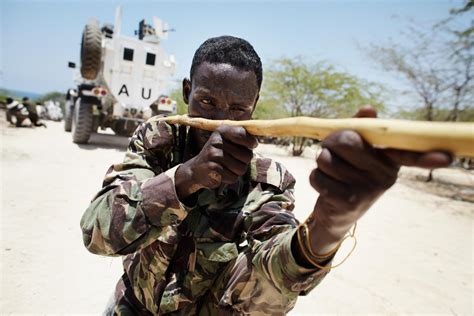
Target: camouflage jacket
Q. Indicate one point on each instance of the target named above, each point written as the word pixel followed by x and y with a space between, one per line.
pixel 173 252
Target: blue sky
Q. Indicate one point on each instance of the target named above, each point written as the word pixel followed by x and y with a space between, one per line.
pixel 38 38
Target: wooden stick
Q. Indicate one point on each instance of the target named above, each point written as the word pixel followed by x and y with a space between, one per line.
pixel 456 138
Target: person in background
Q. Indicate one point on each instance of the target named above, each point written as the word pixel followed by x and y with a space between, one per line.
pixel 17 111
pixel 32 113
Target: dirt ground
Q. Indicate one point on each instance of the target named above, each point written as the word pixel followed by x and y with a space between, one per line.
pixel 414 251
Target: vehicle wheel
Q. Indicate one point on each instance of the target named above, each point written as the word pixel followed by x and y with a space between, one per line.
pixel 82 122
pixel 91 50
pixel 68 108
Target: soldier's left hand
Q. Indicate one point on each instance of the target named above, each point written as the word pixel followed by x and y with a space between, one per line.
pixel 351 175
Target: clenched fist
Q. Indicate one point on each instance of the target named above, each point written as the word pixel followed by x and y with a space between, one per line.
pixel 223 159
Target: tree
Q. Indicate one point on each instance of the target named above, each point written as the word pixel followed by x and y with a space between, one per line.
pixel 53 96
pixel 436 66
pixel 460 81
pixel 468 6
pixel 4 94
pixel 177 95
pixel 317 89
pixel 462 52
pixel 268 108
pixel 418 65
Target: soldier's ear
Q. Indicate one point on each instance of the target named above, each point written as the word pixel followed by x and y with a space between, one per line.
pixel 186 90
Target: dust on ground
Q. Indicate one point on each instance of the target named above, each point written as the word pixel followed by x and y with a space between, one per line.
pixel 414 251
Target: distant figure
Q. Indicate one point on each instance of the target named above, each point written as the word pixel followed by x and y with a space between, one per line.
pixel 32 113
pixel 16 110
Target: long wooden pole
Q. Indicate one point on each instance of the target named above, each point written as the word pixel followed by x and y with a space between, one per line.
pixel 457 138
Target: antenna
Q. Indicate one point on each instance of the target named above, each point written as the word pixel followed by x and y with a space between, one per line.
pixel 118 21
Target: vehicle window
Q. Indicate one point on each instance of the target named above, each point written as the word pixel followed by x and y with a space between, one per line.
pixel 128 54
pixel 150 59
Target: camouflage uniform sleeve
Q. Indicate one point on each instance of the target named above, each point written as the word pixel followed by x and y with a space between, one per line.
pixel 271 226
pixel 138 203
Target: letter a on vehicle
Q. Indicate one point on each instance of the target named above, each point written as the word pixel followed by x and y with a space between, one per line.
pixel 124 90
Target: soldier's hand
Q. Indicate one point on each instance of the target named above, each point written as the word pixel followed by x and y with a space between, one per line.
pixel 225 157
pixel 351 175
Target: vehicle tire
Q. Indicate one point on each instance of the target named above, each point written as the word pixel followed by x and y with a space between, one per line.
pixel 91 50
pixel 68 109
pixel 82 122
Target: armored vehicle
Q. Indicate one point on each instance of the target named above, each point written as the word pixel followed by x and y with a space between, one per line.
pixel 121 79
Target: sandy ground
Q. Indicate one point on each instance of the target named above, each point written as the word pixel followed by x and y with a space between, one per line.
pixel 414 252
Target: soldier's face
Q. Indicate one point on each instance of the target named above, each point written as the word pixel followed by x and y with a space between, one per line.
pixel 219 92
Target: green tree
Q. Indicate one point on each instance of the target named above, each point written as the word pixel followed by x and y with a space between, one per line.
pixel 268 107
pixel 317 89
pixel 5 93
pixel 53 96
pixel 177 95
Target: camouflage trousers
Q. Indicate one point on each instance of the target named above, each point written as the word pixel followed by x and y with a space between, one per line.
pixel 239 290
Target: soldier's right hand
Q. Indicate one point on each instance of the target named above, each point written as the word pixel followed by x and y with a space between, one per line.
pixel 225 157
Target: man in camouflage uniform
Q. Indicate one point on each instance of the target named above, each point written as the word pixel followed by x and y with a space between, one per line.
pixel 205 226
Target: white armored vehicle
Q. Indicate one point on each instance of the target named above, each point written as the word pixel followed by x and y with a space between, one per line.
pixel 121 80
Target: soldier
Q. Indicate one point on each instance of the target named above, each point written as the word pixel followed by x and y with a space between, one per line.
pixel 18 111
pixel 205 226
pixel 32 113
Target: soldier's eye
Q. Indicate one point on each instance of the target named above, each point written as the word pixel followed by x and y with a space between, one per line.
pixel 238 110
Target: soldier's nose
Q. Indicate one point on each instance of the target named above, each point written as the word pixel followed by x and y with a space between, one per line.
pixel 221 114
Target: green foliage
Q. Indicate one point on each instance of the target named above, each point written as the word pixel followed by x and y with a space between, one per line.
pixel 3 97
pixel 318 90
pixel 54 96
pixel 268 108
pixel 4 94
pixel 177 95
